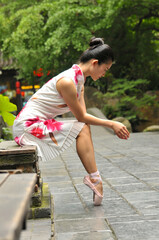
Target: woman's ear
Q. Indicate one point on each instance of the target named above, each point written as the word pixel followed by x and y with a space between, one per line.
pixel 94 62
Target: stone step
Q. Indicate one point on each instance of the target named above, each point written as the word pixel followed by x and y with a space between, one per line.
pixel 44 208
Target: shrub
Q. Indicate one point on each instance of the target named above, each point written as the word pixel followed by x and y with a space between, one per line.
pixel 130 96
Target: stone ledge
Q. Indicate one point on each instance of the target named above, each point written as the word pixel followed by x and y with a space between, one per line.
pixel 43 211
pixel 153 128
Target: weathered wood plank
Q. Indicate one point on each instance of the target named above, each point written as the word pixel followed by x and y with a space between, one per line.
pixel 15 195
pixel 13 156
pixel 10 147
pixel 17 158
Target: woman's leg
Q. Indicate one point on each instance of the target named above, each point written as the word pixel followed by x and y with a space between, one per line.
pixel 85 152
pixel 85 149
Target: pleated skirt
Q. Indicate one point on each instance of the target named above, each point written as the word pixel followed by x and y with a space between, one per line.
pixel 49 143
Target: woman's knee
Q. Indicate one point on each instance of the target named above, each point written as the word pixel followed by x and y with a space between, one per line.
pixel 85 130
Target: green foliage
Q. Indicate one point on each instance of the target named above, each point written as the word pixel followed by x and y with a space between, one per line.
pixel 5 108
pixel 47 34
pixel 134 35
pixel 7 134
pixel 52 34
pixel 126 98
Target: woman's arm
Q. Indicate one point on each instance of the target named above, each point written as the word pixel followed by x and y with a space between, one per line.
pixel 81 100
pixel 67 90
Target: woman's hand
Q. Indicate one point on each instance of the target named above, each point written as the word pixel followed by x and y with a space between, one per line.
pixel 120 130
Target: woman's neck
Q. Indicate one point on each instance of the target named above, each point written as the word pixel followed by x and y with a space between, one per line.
pixel 85 69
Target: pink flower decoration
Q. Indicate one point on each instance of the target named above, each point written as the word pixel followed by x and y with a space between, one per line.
pixel 77 72
pixel 37 132
pixel 53 125
pixel 17 140
pixel 31 121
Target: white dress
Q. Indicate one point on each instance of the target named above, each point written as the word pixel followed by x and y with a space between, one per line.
pixel 36 124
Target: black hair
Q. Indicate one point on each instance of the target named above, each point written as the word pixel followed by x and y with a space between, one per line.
pixel 97 50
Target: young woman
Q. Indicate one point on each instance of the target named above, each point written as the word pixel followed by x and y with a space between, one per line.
pixel 36 124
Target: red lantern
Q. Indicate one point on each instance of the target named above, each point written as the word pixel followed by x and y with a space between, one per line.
pixel 23 94
pixel 17 84
pixel 18 90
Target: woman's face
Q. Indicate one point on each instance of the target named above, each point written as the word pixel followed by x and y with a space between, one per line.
pixel 98 71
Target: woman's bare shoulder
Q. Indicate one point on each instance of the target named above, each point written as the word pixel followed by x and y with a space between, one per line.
pixel 65 84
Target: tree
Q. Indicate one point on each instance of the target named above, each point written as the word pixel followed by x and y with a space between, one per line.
pixel 51 34
pixel 135 39
pixel 47 34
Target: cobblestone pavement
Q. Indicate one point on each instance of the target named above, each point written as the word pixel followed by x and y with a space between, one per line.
pixel 130 209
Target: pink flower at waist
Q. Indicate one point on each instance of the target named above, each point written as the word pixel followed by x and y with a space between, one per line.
pixel 37 132
pixel 52 125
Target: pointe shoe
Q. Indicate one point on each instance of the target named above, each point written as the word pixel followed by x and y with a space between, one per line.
pixel 97 197
pixel 97 200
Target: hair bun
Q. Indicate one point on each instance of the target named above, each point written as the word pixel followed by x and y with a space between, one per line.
pixel 95 42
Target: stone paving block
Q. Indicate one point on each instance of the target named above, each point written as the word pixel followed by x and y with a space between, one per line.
pixel 132 166
pixel 85 193
pixel 151 150
pixel 116 157
pixel 104 235
pixel 78 180
pixel 38 228
pixel 110 193
pixel 63 198
pixel 152 182
pixel 74 167
pixel 133 187
pixel 131 218
pixel 104 163
pixel 54 172
pixel 57 179
pixel 55 189
pixel 148 207
pixel 132 169
pixel 69 211
pixel 80 173
pixel 122 180
pixel 154 164
pixel 102 150
pixel 138 230
pixel 142 158
pixel 113 173
pixel 51 164
pixel 144 196
pixel 117 207
pixel 147 175
pixel 61 187
pixel 81 225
